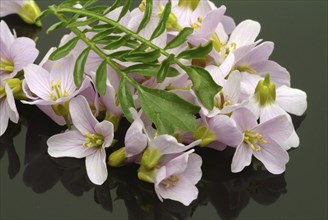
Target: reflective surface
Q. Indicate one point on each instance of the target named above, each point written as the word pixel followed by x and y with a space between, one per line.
pixel 35 186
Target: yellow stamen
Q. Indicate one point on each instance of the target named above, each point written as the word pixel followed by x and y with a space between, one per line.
pixel 58 92
pixel 93 140
pixel 6 65
pixel 171 181
pixel 254 140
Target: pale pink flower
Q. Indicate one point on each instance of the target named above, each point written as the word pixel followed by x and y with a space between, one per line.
pixel 176 178
pixel 15 53
pixel 88 139
pixel 264 141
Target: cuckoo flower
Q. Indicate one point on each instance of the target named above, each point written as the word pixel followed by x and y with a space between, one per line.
pixel 176 178
pixel 241 41
pixel 7 107
pixel 264 141
pixel 88 139
pixel 15 53
pixel 55 86
pixel 28 10
pixel 269 102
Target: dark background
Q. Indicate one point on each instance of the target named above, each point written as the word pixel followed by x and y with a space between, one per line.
pixel 299 31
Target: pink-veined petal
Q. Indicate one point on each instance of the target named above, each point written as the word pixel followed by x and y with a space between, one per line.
pixel 231 90
pixel 259 53
pixel 273 157
pixel 245 33
pixel 291 100
pixel 96 167
pixel 244 119
pixel 184 191
pixel 278 74
pixel 278 128
pixel 225 130
pixel 81 115
pixel 69 144
pixel 193 171
pixel 23 52
pixel 242 158
pixel 38 81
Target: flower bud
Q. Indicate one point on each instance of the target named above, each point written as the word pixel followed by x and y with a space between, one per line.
pixel 117 158
pixel 265 91
pixel 204 134
pixel 147 175
pixel 15 85
pixel 29 12
pixel 151 158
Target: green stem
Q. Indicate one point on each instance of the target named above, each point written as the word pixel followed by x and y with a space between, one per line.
pixel 98 51
pixel 122 28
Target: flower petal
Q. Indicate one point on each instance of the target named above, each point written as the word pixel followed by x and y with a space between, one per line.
pixel 23 52
pixel 225 130
pixel 12 110
pixel 231 89
pixel 244 119
pixel 81 115
pixel 193 171
pixel 259 53
pixel 38 81
pixel 278 74
pixel 135 139
pixel 69 144
pixel 96 167
pixel 273 157
pixel 292 100
pixel 167 144
pixel 47 109
pixel 245 33
pixel 278 128
pixel 241 158
pixel 4 116
pixel 184 191
pixel 106 129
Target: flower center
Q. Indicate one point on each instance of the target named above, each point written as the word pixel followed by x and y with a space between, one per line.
pixel 93 140
pixel 6 65
pixel 246 68
pixel 58 92
pixel 220 102
pixel 171 181
pixel 254 140
pixel 197 25
pixel 190 4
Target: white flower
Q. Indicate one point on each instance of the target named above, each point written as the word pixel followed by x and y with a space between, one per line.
pixel 88 139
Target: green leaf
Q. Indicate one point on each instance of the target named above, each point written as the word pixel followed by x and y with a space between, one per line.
pixel 88 3
pixel 64 50
pixel 81 23
pixel 79 67
pixel 44 14
pixel 117 43
pixel 144 57
pixel 150 70
pixel 197 52
pixel 101 35
pixel 126 99
pixel 56 26
pixel 204 86
pixel 163 71
pixel 114 6
pixel 125 9
pixel 180 38
pixel 101 27
pixel 167 110
pixel 147 15
pixel 101 78
pixel 119 55
pixel 161 27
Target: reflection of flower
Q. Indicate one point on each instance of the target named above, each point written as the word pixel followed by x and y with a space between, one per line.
pixel 89 140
